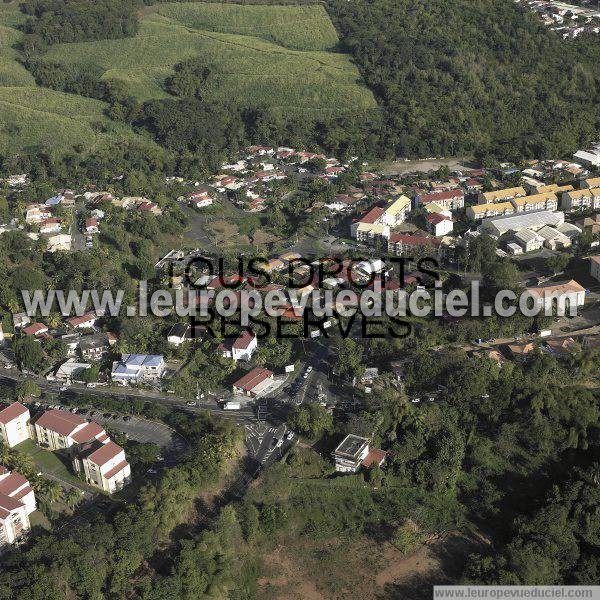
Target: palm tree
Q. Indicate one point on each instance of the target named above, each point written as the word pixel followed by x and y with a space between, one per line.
pixel 47 491
pixel 72 497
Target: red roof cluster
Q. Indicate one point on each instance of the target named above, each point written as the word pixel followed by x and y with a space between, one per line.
pixel 442 196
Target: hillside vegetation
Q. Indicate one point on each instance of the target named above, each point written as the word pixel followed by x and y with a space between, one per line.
pixel 33 116
pixel 294 27
pixel 247 69
pixel 457 76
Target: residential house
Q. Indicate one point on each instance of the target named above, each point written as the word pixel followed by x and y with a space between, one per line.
pixel 20 320
pixel 35 329
pixel 400 244
pixel 240 348
pixel 353 452
pixel 95 346
pixel 51 225
pixel 138 368
pixel 71 370
pixel 85 321
pixel 501 195
pixel 562 346
pixel 520 351
pixel 36 213
pixel 584 199
pixel 92 226
pixel 103 465
pixel 14 420
pixel 254 383
pixel 449 199
pixel 563 296
pixel 17 502
pixel 439 224
pixel 178 333
pixel 595 267
pixel 59 243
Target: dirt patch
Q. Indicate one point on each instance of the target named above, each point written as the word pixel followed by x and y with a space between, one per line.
pixel 260 238
pixel 286 579
pixel 363 569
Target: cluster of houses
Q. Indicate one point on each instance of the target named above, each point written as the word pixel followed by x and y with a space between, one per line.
pixel 49 222
pixel 254 174
pixel 568 19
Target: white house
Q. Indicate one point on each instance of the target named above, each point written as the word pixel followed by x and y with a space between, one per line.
pixel 242 348
pixel 59 243
pixel 562 296
pixel 138 368
pixel 439 224
pixel 353 453
pixel 13 424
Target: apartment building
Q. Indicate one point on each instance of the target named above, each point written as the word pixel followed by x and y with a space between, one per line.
pixel 138 368
pixel 544 201
pixel 103 465
pixel 501 195
pixel 489 210
pixel 584 199
pixel 449 199
pixel 14 420
pixel 17 502
pixel 62 430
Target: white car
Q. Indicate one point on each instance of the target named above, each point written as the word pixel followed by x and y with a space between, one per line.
pixel 309 369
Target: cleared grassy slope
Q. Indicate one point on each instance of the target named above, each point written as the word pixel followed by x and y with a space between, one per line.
pixel 294 27
pixel 32 116
pixel 246 69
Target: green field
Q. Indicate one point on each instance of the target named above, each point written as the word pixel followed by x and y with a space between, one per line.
pixel 294 27
pixel 248 69
pixel 275 56
pixel 33 116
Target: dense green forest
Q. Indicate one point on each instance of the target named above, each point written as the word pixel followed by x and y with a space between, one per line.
pixel 460 76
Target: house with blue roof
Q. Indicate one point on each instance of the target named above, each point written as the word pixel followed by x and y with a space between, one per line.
pixel 138 368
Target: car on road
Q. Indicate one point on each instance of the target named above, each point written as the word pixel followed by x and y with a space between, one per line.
pixel 309 369
pixel 152 471
pixel 289 435
pixel 64 388
pixel 190 403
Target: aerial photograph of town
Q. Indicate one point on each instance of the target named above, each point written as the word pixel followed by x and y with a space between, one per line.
pixel 299 299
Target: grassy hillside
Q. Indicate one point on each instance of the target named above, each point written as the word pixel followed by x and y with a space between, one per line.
pixel 294 27
pixel 32 116
pixel 246 68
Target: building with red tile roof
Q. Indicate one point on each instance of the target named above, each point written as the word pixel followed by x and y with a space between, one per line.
pixel 14 420
pixel 17 502
pixel 254 382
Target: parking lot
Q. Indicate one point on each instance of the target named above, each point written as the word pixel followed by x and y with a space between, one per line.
pixel 142 430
